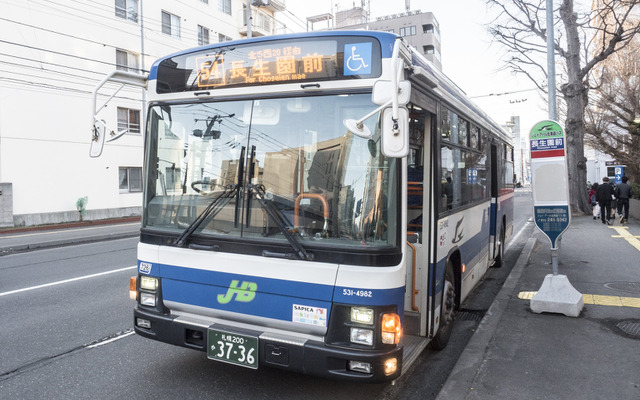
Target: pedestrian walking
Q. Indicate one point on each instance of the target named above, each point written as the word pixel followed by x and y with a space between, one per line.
pixel 614 201
pixel 595 208
pixel 623 193
pixel 604 193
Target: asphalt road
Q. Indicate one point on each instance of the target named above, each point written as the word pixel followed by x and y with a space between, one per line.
pixel 67 333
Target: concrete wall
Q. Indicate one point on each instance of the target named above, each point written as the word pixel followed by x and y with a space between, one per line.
pixel 634 209
pixel 74 216
pixel 6 204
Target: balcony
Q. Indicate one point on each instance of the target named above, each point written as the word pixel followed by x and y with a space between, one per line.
pixel 271 5
pixel 262 24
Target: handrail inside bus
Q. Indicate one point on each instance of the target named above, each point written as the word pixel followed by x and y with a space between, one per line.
pixel 325 209
pixel 414 291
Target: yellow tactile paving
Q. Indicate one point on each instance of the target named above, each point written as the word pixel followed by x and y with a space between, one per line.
pixel 623 232
pixel 596 299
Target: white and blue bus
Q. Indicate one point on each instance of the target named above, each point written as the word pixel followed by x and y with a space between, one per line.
pixel 318 202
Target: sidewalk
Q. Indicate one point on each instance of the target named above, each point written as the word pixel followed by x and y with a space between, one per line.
pixel 517 354
pixel 39 237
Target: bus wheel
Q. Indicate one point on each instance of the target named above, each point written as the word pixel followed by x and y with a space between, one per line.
pixel 447 310
pixel 500 258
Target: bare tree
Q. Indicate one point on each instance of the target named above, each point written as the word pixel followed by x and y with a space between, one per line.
pixel 582 40
pixel 611 120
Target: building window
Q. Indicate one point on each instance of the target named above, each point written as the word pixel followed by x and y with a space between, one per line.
pixel 126 61
pixel 224 6
pixel 223 38
pixel 203 35
pixel 428 28
pixel 170 24
pixel 429 49
pixel 408 31
pixel 130 179
pixel 127 9
pixel 172 176
pixel 128 120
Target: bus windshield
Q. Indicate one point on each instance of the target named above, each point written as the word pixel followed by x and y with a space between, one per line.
pixel 278 169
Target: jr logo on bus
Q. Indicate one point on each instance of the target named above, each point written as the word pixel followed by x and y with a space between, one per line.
pixel 245 293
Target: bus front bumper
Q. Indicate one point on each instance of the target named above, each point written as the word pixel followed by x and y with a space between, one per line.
pixel 304 356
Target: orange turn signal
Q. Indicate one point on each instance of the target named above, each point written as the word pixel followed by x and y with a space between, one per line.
pixel 133 288
pixel 391 328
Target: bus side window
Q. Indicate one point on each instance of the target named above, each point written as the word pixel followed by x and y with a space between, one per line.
pixel 415 172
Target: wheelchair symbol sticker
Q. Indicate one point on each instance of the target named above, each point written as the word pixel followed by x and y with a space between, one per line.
pixel 357 59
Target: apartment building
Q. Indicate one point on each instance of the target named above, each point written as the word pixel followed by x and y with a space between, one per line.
pixel 420 29
pixel 52 56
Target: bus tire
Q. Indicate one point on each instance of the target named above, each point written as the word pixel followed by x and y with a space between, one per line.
pixel 500 257
pixel 447 310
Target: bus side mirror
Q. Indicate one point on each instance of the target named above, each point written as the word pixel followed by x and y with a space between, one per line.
pixel 382 93
pixel 97 138
pixel 395 133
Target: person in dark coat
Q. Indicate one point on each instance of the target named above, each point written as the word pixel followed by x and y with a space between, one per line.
pixel 623 192
pixel 603 195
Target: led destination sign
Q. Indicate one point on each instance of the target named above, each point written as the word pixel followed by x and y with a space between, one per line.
pixel 267 64
pixel 274 62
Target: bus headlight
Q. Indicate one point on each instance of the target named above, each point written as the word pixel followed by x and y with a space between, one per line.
pixel 148 283
pixel 362 336
pixel 148 299
pixel 362 315
pixel 391 328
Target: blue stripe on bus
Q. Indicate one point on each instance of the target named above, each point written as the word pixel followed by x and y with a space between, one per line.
pixel 265 305
pixel 468 249
pixel 274 298
pixel 223 280
pixel 369 297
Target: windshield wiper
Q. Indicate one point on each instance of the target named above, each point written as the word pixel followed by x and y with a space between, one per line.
pixel 212 209
pixel 276 215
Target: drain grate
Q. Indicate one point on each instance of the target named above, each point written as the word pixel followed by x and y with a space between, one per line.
pixel 469 315
pixel 630 327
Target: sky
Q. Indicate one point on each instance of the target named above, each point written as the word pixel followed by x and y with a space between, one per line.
pixel 468 56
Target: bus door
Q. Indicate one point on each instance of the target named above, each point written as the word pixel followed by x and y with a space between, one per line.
pixel 419 215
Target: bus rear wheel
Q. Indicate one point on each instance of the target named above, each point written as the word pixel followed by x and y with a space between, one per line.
pixel 500 257
pixel 447 310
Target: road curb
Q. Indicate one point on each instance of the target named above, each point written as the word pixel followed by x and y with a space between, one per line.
pixel 65 242
pixel 462 378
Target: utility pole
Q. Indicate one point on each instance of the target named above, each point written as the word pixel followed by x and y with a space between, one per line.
pixel 551 64
pixel 142 66
pixel 248 18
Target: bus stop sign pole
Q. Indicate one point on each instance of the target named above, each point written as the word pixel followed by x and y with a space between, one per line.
pixel 551 213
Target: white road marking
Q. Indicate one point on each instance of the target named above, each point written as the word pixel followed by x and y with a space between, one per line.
pixel 68 280
pixel 515 238
pixel 120 335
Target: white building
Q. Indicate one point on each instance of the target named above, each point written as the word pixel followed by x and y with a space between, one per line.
pixel 521 152
pixel 52 55
pixel 420 30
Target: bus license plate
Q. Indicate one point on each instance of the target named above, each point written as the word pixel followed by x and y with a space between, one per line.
pixel 232 348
